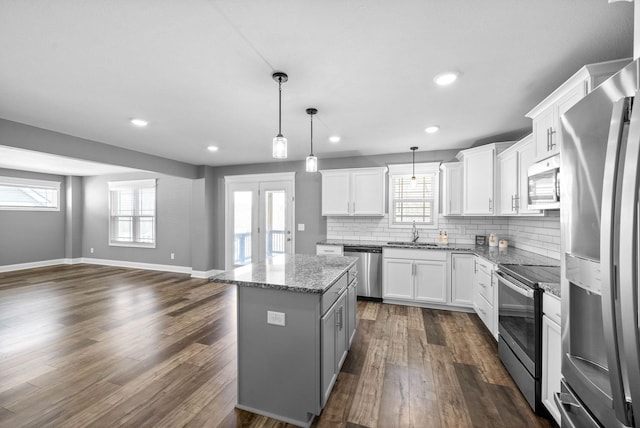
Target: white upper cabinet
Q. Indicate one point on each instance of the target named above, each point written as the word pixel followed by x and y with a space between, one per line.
pixel 451 188
pixel 479 176
pixel 513 184
pixel 353 192
pixel 546 115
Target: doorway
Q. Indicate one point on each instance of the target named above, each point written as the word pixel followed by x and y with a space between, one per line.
pixel 259 217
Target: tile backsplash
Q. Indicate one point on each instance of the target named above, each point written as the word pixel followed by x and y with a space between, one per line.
pixel 540 235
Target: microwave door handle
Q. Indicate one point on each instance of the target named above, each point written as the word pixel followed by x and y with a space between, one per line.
pixel 527 293
pixel 608 240
pixel 629 258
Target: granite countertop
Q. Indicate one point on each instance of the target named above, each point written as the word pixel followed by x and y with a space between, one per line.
pixel 299 272
pixel 494 254
pixel 551 288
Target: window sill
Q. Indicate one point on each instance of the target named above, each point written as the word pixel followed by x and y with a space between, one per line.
pixel 131 245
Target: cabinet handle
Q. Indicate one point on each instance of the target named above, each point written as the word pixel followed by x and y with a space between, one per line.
pixel 512 203
pixel 475 266
pixel 551 143
pixel 548 138
pixel 490 205
pixel 517 199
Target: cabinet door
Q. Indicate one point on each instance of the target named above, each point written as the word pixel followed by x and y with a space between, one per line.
pixel 478 182
pixel 508 166
pixel 328 349
pixel 452 189
pixel 542 126
pixel 551 364
pixel 352 312
pixel 462 266
pixel 342 331
pixel 335 193
pixel 526 158
pixel 430 281
pixel 567 101
pixel 367 193
pixel 397 278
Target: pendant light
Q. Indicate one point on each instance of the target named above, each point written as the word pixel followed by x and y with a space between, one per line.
pixel 280 142
pixel 414 181
pixel 312 161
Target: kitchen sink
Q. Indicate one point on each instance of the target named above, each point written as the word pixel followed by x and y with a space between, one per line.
pixel 412 244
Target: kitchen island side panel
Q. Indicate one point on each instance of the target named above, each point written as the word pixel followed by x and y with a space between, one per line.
pixel 279 366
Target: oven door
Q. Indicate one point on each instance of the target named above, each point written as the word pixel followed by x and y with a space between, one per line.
pixel 517 320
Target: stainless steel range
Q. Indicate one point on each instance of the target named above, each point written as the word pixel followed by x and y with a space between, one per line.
pixel 520 325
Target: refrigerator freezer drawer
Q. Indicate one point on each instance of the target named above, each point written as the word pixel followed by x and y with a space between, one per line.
pixel 573 414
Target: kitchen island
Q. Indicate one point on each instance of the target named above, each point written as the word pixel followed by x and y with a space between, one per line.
pixel 296 320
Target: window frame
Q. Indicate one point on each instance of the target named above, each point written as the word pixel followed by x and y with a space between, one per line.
pixel 31 183
pixel 135 186
pixel 406 170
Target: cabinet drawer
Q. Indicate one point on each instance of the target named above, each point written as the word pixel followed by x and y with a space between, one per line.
pixel 484 265
pixel 353 274
pixel 551 307
pixel 333 293
pixel 336 250
pixel 411 254
pixel 485 311
pixel 485 287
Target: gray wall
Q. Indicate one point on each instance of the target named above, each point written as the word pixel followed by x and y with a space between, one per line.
pixel 23 136
pixel 308 193
pixel 173 230
pixel 31 236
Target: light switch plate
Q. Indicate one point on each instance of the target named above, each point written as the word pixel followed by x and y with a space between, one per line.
pixel 300 227
pixel 276 318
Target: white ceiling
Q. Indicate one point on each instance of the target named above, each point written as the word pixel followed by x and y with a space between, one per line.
pixel 28 160
pixel 200 71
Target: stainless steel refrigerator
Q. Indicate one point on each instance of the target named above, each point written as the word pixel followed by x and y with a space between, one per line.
pixel 599 187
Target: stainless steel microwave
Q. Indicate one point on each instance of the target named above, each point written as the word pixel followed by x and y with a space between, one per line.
pixel 544 184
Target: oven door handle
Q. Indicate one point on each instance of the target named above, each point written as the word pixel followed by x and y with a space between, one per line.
pixel 528 293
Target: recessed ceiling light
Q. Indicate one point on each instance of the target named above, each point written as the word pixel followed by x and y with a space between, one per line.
pixel 139 122
pixel 334 139
pixel 431 129
pixel 446 78
pixel 212 148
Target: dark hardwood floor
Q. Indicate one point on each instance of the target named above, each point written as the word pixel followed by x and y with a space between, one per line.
pixel 88 345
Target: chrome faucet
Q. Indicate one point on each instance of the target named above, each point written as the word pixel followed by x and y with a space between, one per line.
pixel 414 233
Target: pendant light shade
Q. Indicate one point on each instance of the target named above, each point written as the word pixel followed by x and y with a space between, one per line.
pixel 414 181
pixel 312 161
pixel 280 142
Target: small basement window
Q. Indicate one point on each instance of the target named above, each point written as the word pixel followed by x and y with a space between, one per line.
pixel 132 213
pixel 25 194
pixel 414 203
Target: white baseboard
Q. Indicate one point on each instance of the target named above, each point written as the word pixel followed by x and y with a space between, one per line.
pixel 117 263
pixel 31 265
pixel 205 273
pixel 137 265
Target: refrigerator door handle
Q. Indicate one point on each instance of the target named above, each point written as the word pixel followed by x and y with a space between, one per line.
pixel 628 290
pixel 608 254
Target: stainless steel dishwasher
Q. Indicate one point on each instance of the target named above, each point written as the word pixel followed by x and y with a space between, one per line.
pixel 369 269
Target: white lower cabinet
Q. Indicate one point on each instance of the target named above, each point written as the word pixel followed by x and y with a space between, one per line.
pixel 485 294
pixel 462 272
pixel 551 353
pixel 414 275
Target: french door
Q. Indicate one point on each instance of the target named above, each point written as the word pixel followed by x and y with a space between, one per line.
pixel 259 218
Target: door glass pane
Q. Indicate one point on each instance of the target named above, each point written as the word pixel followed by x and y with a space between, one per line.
pixel 275 214
pixel 242 227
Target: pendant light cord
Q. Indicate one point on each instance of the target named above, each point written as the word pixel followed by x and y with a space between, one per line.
pixel 311 134
pixel 414 162
pixel 280 106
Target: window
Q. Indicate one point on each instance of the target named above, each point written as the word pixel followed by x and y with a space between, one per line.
pixel 29 195
pixel 132 218
pixel 419 203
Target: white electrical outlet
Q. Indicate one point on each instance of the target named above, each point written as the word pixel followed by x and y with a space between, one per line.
pixel 91 250
pixel 173 256
pixel 300 227
pixel 276 318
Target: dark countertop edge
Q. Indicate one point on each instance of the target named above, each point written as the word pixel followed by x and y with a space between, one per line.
pixel 281 287
pixel 553 289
